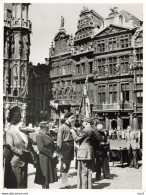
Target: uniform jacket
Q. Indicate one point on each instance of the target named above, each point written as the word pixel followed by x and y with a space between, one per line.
pixel 64 135
pixel 18 142
pixel 65 142
pixel 86 139
pixel 45 145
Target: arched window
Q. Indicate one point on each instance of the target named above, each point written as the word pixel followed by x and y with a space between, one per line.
pixel 15 76
pixel 22 76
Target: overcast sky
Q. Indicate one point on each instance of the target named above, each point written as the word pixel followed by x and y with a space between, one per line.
pixel 46 19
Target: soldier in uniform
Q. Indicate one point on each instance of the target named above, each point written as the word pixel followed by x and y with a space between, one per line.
pixel 65 145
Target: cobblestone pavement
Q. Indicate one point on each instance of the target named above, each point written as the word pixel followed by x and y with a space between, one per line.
pixel 121 178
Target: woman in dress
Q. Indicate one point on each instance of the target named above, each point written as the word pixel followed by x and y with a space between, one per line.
pixel 47 155
pixel 18 142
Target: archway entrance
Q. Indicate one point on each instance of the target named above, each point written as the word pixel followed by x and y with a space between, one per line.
pixel 114 124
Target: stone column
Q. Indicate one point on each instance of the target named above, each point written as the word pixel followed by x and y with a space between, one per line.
pixel 118 122
pixel 131 119
pixel 107 121
pixel 135 121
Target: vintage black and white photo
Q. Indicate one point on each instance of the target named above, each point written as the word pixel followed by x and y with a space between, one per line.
pixel 72 96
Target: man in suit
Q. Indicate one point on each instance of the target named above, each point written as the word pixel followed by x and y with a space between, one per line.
pixel 85 154
pixel 65 145
pixel 102 160
pixel 132 147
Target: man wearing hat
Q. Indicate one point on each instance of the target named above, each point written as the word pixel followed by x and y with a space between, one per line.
pixel 101 156
pixel 85 154
pixel 65 145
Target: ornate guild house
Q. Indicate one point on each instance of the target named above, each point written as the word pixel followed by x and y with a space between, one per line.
pixel 105 52
pixel 110 53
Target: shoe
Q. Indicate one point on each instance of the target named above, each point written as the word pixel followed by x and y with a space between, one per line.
pixel 66 187
pixel 130 166
pixel 136 167
pixel 106 177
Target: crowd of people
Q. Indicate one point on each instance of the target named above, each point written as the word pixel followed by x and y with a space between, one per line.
pixel 87 143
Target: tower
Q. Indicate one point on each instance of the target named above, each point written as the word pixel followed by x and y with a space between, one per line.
pixel 17 29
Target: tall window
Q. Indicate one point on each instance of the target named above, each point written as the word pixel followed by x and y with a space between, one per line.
pixel 101 94
pixel 78 69
pixel 139 76
pixel 139 97
pixel 124 64
pixel 113 93
pixel 78 89
pixel 90 67
pixel 101 45
pixel 139 54
pixel 124 41
pixel 112 44
pixel 125 92
pixel 112 66
pixel 101 68
pixel 83 68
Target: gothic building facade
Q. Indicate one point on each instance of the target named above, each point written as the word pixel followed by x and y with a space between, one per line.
pixel 110 53
pixel 17 29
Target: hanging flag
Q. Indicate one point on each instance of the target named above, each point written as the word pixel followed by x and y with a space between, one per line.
pixel 86 99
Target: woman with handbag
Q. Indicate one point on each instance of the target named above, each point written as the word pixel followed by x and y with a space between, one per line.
pixel 46 172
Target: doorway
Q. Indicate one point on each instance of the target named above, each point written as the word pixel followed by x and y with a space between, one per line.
pixel 114 124
pixel 125 123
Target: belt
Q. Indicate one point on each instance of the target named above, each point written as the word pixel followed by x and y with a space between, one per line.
pixel 68 141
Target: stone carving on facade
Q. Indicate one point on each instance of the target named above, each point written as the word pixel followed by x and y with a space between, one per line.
pixel 118 68
pixel 106 69
pixel 7 111
pixel 24 112
pixel 81 48
pixel 90 46
pixel 54 92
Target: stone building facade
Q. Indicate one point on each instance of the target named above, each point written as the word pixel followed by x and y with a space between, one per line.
pixel 110 52
pixel 17 29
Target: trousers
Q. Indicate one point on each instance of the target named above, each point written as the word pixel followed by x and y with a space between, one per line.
pixel 84 174
pixel 102 162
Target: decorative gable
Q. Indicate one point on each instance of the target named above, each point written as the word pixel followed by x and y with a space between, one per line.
pixel 112 29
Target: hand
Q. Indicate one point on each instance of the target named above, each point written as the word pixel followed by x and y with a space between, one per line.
pixel 72 130
pixel 54 155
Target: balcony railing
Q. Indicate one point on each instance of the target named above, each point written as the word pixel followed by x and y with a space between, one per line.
pixel 114 106
pixel 17 23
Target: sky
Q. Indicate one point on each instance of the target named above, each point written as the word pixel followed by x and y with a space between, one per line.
pixel 46 20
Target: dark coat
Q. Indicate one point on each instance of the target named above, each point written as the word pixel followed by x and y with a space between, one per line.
pixel 46 149
pixel 104 146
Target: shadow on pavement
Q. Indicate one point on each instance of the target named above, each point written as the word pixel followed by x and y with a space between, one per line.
pixel 100 186
pixel 112 176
